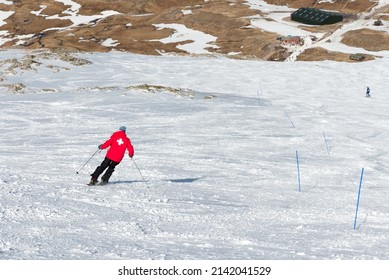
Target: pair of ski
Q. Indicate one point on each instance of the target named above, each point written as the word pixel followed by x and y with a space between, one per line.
pixel 101 183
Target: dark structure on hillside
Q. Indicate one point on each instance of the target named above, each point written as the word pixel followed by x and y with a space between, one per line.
pixel 357 57
pixel 315 16
pixel 378 22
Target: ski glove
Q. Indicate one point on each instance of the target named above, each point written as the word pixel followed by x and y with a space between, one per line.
pixel 100 146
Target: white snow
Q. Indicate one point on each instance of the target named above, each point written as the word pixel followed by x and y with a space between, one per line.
pixel 4 15
pixel 279 27
pixel 201 40
pixel 78 19
pixel 74 6
pixel 38 13
pixel 220 167
pixel 72 14
pixel 6 2
pixel 110 42
pixel 187 12
pixel 2 39
pixel 265 7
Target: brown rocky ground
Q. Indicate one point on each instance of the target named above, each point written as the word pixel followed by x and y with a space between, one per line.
pixel 368 39
pixel 320 54
pixel 342 6
pixel 135 32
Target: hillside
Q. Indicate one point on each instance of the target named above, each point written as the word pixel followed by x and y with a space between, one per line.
pixel 234 28
pixel 216 149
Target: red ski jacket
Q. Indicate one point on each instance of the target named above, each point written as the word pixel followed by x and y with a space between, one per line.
pixel 118 143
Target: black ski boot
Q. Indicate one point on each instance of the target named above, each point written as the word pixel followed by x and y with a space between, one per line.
pixel 92 182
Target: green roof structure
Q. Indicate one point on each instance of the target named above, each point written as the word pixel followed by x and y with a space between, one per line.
pixel 315 16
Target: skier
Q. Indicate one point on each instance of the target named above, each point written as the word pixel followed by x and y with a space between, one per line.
pixel 118 143
pixel 367 92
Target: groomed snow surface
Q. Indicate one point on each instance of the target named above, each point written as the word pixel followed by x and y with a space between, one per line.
pixel 220 168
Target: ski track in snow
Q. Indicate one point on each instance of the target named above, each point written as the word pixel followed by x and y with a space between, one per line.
pixel 221 173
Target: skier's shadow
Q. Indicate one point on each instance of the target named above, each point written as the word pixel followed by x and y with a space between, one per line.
pixel 126 182
pixel 183 180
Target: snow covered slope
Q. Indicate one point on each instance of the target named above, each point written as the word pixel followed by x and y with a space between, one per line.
pixel 216 141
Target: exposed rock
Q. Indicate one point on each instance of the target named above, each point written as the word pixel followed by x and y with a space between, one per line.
pixel 73 60
pixel 157 89
pixel 16 88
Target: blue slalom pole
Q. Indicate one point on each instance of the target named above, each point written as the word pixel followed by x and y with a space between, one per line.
pixel 298 169
pixel 325 140
pixel 359 195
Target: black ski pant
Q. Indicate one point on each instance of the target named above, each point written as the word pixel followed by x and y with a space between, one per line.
pixel 107 163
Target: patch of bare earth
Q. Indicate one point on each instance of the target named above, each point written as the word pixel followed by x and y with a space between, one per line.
pixel 320 54
pixel 368 39
pixel 342 6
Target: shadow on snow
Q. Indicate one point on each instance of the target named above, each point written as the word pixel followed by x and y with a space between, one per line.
pixel 183 180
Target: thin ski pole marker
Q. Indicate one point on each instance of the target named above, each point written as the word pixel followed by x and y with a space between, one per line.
pixel 325 141
pixel 298 170
pixel 359 195
pixel 286 114
pixel 259 98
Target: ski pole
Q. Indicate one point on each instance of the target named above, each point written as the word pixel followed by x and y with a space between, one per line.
pixel 140 173
pixel 88 160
